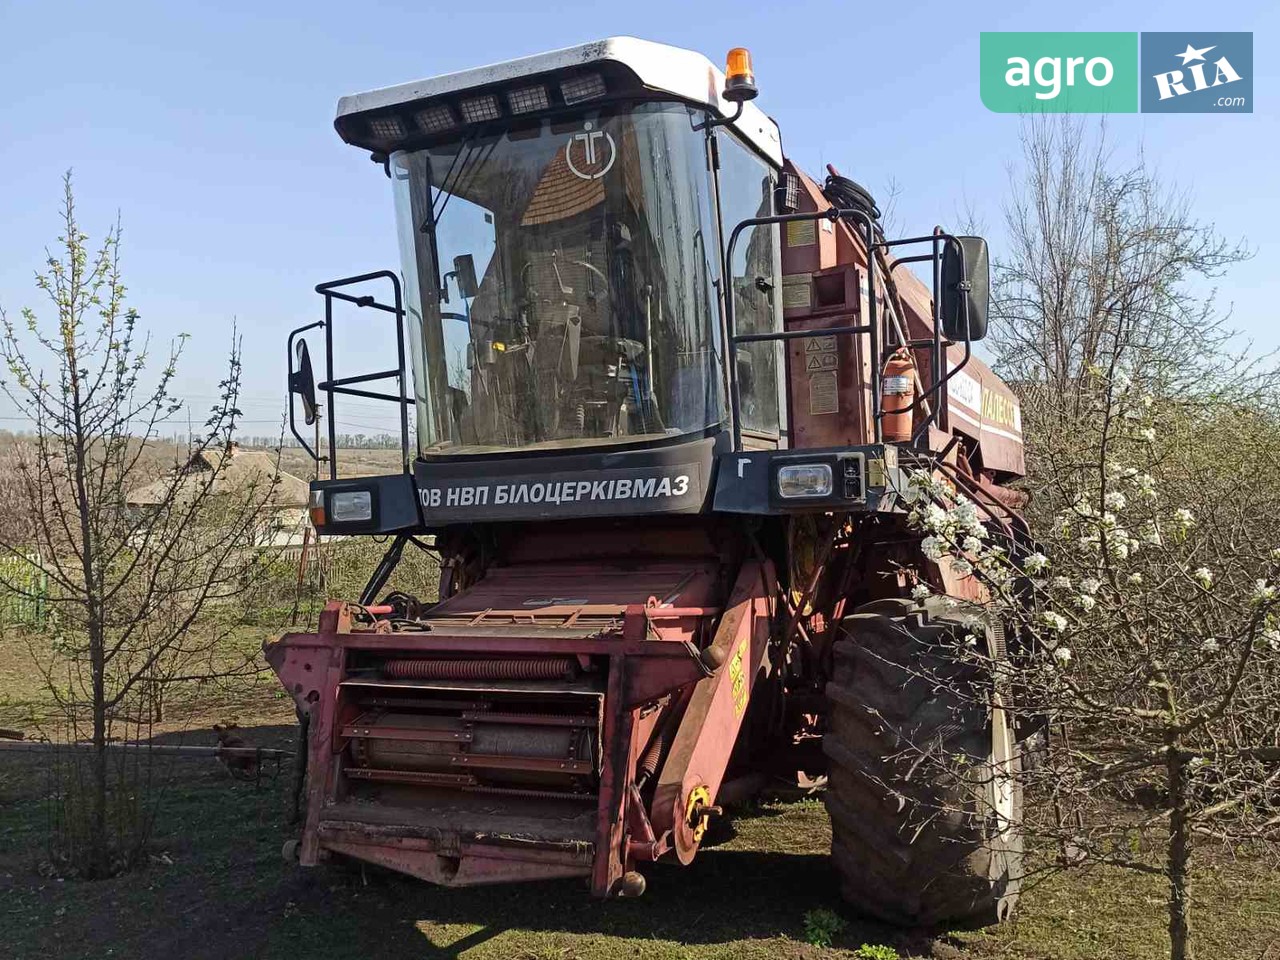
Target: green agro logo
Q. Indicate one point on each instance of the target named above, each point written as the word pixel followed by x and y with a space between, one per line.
pixel 1059 72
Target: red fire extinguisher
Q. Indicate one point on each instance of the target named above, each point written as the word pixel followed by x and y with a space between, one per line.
pixel 897 394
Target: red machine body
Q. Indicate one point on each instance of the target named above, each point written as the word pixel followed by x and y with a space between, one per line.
pixel 640 601
pixel 503 737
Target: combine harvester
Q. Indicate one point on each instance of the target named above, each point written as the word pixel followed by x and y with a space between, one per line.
pixel 667 391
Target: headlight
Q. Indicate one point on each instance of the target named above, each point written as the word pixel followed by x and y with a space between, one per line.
pixel 804 480
pixel 351 506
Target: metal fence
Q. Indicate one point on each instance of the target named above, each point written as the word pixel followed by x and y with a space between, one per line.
pixel 24 590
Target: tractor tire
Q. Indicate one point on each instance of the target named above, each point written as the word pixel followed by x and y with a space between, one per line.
pixel 923 792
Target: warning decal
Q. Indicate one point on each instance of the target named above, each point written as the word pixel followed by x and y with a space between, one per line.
pixel 801 233
pixel 824 393
pixel 820 344
pixel 738 680
pixel 821 361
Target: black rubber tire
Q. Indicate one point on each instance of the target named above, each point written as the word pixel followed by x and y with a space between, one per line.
pixel 922 834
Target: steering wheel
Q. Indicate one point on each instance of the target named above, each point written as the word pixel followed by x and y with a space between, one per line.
pixel 568 296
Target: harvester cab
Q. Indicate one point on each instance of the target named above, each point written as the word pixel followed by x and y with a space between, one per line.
pixel 662 396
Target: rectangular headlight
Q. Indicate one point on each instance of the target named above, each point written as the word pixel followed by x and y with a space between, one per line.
pixel 480 109
pixel 587 86
pixel 528 99
pixel 435 119
pixel 804 480
pixel 386 128
pixel 351 506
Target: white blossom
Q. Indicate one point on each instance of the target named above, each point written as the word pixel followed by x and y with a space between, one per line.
pixel 1263 592
pixel 967 521
pixel 1135 578
pixel 1062 655
pixel 1271 637
pixel 935 518
pixel 1086 602
pixel 1148 434
pixel 1184 518
pixel 921 591
pixel 1203 576
pixel 1035 563
pixel 972 545
pixel 1054 621
pixel 923 485
pixel 1210 645
pixel 932 548
pixel 961 566
pixel 1145 484
pixel 1115 500
pixel 1119 545
pixel 1090 585
pixel 1063 583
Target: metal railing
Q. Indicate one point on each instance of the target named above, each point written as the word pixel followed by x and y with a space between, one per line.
pixel 345 385
pixel 871 328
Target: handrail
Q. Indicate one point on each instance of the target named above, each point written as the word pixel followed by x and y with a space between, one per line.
pixel 333 386
pixel 734 338
pixel 941 376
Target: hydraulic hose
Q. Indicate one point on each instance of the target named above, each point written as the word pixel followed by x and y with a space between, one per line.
pixel 849 194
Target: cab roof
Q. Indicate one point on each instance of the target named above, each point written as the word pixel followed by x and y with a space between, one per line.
pixel 658 67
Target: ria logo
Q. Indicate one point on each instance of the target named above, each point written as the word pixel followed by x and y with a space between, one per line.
pixel 1172 84
pixel 1197 73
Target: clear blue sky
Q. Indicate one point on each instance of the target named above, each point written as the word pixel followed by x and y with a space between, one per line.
pixel 209 128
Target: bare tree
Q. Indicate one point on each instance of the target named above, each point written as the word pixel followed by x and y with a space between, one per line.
pixel 1104 271
pixel 130 589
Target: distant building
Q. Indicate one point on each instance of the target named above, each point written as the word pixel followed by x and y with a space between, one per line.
pixel 240 474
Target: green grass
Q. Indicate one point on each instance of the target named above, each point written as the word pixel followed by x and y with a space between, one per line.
pixel 217 888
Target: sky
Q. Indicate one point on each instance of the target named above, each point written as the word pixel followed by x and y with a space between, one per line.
pixel 207 129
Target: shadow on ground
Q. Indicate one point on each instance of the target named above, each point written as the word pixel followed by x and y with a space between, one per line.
pixel 217 887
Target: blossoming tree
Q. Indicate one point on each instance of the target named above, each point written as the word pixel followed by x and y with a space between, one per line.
pixel 1143 626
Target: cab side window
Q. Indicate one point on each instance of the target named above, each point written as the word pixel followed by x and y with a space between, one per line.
pixel 746 191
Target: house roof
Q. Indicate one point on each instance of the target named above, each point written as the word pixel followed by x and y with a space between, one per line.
pixel 239 473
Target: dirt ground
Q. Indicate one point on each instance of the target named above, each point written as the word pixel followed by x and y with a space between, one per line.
pixel 217 887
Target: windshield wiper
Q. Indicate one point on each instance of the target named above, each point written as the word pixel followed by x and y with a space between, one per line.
pixel 466 153
pixel 464 150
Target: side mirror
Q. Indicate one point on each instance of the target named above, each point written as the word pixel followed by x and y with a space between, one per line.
pixel 966 285
pixel 303 382
pixel 464 271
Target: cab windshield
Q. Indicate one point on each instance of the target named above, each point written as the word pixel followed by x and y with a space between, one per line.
pixel 560 283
